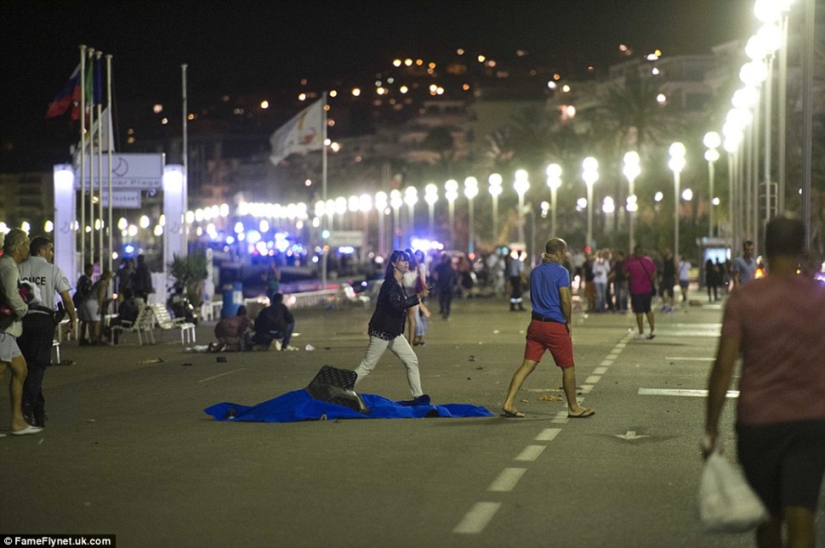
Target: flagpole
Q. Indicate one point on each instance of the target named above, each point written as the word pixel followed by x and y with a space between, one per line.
pixel 185 153
pixel 82 159
pixel 324 249
pixel 109 138
pixel 99 100
pixel 91 106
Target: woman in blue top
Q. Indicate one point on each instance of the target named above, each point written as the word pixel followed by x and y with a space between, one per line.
pixel 386 327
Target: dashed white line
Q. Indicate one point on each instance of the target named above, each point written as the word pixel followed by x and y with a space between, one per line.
pixel 507 480
pixel 480 515
pixel 548 434
pixel 477 518
pixel 531 453
pixel 681 392
pixel 222 375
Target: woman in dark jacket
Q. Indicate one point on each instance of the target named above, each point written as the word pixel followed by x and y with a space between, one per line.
pixel 386 326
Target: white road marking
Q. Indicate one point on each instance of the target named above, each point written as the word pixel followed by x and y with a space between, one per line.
pixel 586 388
pixel 631 435
pixel 507 480
pixel 592 379
pixel 477 518
pixel 530 453
pixel 681 392
pixel 600 371
pixel 606 362
pixel 222 374
pixel 560 418
pixel 670 332
pixel 548 434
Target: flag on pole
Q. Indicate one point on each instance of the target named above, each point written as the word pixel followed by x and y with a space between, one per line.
pixel 99 138
pixel 64 98
pixel 93 75
pixel 302 134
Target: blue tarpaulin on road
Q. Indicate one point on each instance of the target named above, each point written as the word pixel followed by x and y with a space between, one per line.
pixel 298 405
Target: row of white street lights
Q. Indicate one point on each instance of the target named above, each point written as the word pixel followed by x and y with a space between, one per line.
pixel 392 203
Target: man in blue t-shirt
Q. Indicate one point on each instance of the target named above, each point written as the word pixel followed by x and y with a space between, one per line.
pixel 549 329
pixel 744 267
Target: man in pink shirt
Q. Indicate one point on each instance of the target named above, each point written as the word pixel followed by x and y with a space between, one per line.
pixel 640 271
pixel 776 323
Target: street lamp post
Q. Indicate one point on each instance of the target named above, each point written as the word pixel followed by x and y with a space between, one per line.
pixel 411 198
pixel 590 174
pixel 353 206
pixel 521 185
pixel 471 191
pixel 676 164
pixel 380 208
pixel 712 140
pixel 340 210
pixel 451 193
pixel 365 205
pixel 631 170
pixel 554 182
pixel 495 181
pixel 396 201
pixel 431 197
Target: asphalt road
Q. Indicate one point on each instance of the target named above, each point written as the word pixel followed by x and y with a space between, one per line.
pixel 128 450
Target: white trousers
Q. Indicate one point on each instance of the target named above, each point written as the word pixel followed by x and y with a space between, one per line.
pixel 401 348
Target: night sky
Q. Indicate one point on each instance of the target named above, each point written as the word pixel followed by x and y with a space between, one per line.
pixel 241 46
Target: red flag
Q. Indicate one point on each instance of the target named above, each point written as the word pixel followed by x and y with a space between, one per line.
pixel 69 93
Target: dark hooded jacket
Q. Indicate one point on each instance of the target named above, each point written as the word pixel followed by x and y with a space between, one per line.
pixel 387 321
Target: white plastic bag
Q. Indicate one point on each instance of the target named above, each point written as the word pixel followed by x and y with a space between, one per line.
pixel 727 504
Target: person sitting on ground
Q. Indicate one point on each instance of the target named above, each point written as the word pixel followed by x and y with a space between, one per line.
pixel 275 323
pixel 234 333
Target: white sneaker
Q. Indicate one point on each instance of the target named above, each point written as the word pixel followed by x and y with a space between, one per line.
pixel 277 344
pixel 290 348
pixel 651 335
pixel 639 336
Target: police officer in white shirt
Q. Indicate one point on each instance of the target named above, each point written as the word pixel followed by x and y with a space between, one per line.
pixel 40 323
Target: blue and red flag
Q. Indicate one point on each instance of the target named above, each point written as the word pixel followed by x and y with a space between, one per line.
pixel 67 95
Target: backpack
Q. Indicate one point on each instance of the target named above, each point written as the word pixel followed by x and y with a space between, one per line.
pixel 84 289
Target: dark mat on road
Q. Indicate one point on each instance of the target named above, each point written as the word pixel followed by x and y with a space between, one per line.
pixel 299 405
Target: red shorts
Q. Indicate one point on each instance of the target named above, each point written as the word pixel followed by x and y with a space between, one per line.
pixel 552 336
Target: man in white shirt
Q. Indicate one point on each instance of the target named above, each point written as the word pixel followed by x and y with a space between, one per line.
pixel 39 324
pixel 601 268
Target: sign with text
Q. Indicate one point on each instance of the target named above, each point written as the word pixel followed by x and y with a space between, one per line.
pixel 138 171
pixel 355 238
pixel 124 199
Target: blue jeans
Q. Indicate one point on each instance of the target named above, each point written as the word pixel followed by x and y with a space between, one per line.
pixel 420 324
pixel 621 294
pixel 269 336
pixel 601 288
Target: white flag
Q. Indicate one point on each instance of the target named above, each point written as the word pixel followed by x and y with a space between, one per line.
pixel 103 139
pixel 302 134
